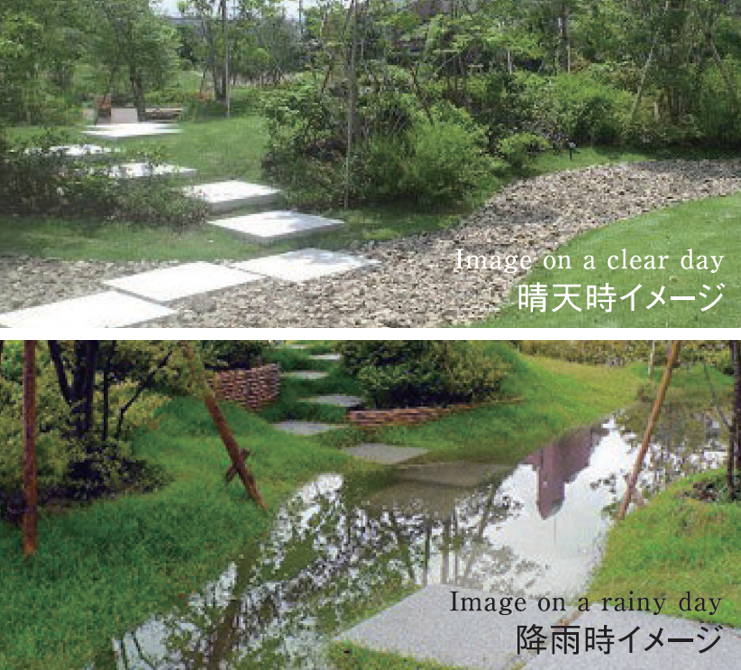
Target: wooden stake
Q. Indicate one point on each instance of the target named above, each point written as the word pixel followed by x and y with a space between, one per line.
pixel 30 469
pixel 673 355
pixel 225 433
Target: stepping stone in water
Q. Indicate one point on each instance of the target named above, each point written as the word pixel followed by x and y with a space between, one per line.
pixel 385 454
pixel 305 264
pixel 425 627
pixel 335 358
pixel 306 428
pixel 460 473
pixel 140 170
pixel 131 130
pixel 101 310
pixel 268 227
pixel 224 196
pixel 305 374
pixel 181 281
pixel 346 401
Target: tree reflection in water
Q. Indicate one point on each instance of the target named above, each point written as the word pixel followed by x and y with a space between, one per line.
pixel 532 531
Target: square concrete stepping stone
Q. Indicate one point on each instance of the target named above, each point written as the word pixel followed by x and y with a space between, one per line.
pixel 335 358
pixel 224 196
pixel 268 227
pixel 78 151
pixel 424 627
pixel 306 428
pixel 101 310
pixel 304 264
pixel 306 374
pixel 131 130
pixel 141 170
pixel 181 281
pixel 385 454
pixel 456 473
pixel 346 401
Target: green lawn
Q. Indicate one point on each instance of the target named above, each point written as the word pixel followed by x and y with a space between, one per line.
pixel 709 228
pixel 675 545
pixel 234 149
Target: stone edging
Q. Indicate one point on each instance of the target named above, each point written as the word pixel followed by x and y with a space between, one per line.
pixel 406 416
pixel 252 389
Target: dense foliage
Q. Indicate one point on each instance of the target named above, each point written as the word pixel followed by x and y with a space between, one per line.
pixel 91 398
pixel 622 352
pixel 419 372
pixel 37 178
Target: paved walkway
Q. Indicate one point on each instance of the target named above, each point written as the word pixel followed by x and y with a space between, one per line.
pixel 424 626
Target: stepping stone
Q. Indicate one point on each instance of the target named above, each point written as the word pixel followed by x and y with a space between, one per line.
pixel 424 627
pixel 224 196
pixel 181 281
pixel 306 428
pixel 80 151
pixel 384 453
pixel 305 374
pixel 304 264
pixel 133 124
pixel 101 310
pixel 335 358
pixel 131 130
pixel 346 401
pixel 140 170
pixel 268 227
pixel 457 473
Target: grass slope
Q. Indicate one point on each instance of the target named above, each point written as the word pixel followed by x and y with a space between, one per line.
pixel 556 396
pixel 708 227
pixel 675 545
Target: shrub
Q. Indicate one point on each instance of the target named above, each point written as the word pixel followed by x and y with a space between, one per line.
pixel 447 161
pixel 519 149
pixel 416 373
pixel 233 354
pixel 36 180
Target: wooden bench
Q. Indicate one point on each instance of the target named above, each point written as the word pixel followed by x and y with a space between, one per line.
pixel 163 114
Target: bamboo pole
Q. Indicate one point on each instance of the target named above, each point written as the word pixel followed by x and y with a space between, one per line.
pixel 30 469
pixel 225 433
pixel 672 359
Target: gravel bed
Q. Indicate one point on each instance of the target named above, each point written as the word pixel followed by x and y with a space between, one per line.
pixel 416 284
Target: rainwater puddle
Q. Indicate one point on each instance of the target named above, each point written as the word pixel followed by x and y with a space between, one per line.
pixel 535 529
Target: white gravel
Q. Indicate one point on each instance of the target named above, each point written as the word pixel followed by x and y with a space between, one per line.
pixel 416 284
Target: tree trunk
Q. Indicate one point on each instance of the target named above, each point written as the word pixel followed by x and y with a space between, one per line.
pixel 734 438
pixel 352 95
pixel 137 89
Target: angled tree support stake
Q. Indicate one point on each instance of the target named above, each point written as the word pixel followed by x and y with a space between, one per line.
pixel 227 437
pixel 30 469
pixel 671 360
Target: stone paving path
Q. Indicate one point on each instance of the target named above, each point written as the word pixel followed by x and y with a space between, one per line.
pixel 424 626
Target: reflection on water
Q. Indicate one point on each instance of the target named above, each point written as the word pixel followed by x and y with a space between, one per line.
pixel 531 530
